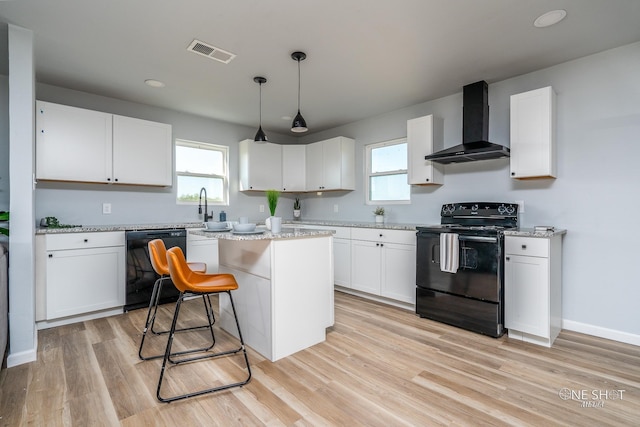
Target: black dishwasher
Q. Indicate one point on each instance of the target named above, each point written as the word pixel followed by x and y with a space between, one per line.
pixel 140 273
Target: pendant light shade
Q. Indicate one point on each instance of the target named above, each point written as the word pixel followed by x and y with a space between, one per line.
pixel 260 135
pixel 299 125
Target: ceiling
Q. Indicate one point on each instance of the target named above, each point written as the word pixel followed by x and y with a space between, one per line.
pixel 364 57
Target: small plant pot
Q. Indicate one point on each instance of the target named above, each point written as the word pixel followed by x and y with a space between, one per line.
pixel 296 213
pixel 379 219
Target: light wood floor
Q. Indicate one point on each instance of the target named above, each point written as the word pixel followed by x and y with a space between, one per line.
pixel 380 366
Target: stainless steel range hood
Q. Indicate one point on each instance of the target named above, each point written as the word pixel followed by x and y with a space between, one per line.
pixel 475 130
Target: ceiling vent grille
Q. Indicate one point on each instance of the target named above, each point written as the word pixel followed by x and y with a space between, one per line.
pixel 211 52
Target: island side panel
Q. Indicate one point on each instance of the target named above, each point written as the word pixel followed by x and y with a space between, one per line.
pixel 250 262
pixel 302 293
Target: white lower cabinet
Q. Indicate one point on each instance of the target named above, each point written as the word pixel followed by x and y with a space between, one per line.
pixel 383 263
pixel 84 272
pixel 533 296
pixel 341 252
pixel 342 261
pixel 203 249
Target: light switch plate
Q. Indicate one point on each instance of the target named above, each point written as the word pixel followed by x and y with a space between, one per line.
pixel 106 208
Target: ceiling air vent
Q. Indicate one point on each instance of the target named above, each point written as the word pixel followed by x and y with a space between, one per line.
pixel 211 52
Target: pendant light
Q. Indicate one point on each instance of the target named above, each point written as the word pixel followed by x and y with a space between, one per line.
pixel 299 124
pixel 260 135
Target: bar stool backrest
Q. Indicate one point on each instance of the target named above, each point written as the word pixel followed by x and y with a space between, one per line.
pixel 158 256
pixel 179 269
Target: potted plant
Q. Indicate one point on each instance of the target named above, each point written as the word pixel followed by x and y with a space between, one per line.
pixel 4 217
pixel 379 213
pixel 296 208
pixel 273 223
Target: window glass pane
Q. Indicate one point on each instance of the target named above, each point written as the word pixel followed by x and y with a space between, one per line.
pixel 189 189
pixel 389 187
pixel 198 160
pixel 388 159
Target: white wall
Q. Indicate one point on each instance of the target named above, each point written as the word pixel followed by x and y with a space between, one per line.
pixel 4 143
pixel 22 330
pixel 595 196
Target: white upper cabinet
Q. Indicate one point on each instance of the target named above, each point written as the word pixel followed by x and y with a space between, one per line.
pixel 74 144
pixel 424 137
pixel 293 168
pixel 330 165
pixel 142 152
pixel 532 143
pixel 260 166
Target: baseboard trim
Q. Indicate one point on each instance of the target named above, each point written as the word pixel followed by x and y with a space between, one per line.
pixel 46 324
pixel 601 332
pixel 26 356
pixel 384 300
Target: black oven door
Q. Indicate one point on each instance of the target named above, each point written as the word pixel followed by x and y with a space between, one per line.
pixel 479 272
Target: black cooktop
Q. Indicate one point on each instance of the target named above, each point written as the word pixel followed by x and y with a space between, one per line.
pixel 478 218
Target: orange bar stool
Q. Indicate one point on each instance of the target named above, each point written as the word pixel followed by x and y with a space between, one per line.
pixel 158 257
pixel 190 282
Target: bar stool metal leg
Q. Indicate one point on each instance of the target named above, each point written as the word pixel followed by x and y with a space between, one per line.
pixel 168 354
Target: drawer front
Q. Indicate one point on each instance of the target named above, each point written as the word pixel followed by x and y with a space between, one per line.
pixel 84 240
pixel 526 246
pixel 403 237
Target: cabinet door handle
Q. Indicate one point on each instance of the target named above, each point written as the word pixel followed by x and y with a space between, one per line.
pixel 381 244
pixel 524 246
pixel 86 240
pixel 377 244
pixel 50 255
pixel 507 258
pixel 380 234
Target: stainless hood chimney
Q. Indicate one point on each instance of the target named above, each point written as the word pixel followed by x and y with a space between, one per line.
pixel 475 130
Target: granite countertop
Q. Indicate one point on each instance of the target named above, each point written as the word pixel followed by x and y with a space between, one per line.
pixel 286 233
pixel 198 225
pixel 125 227
pixel 370 224
pixel 529 232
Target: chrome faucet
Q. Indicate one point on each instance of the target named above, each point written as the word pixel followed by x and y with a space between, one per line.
pixel 206 217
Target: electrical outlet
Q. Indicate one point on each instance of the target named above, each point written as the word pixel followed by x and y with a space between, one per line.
pixel 520 204
pixel 106 208
pixel 261 208
pixel 335 208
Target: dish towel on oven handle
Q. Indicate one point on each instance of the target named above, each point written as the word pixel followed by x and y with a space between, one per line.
pixel 449 252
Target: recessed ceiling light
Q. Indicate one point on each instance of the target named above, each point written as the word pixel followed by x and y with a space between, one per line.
pixel 550 18
pixel 154 83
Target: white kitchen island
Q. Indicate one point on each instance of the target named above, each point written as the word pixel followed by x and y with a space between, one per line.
pixel 285 296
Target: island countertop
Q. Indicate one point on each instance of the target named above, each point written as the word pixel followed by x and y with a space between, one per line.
pixel 287 232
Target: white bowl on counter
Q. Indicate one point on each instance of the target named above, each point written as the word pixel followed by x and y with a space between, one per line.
pixel 215 225
pixel 244 228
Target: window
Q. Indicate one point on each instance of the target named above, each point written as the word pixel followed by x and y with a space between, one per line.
pixel 386 169
pixel 201 165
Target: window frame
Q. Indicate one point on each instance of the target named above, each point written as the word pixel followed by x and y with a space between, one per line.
pixel 368 174
pixel 225 165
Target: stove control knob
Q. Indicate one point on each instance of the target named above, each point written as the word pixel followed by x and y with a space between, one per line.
pixel 474 208
pixel 502 209
pixel 511 209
